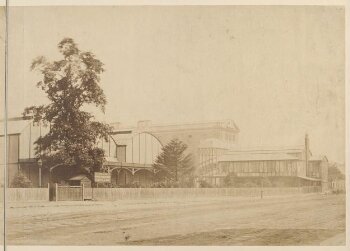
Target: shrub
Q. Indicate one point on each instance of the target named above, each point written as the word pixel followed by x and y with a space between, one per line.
pixel 250 184
pixel 134 184
pixel 230 180
pixel 204 184
pixel 21 181
pixel 187 182
pixel 165 184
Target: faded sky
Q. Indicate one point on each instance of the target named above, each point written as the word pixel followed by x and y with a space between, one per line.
pixel 277 71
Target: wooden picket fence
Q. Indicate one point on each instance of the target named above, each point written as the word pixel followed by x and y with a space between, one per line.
pixel 112 194
pixel 80 193
pixel 27 194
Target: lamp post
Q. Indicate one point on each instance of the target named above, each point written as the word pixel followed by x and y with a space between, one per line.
pixel 40 164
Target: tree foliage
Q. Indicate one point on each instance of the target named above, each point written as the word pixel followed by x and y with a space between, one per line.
pixel 70 84
pixel 173 163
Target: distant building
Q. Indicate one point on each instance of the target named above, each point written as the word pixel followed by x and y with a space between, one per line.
pixel 293 166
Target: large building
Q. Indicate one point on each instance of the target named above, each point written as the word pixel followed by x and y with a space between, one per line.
pixel 20 151
pixel 130 150
pixel 140 145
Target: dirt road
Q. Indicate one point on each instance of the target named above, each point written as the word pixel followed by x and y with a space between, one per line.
pixel 291 220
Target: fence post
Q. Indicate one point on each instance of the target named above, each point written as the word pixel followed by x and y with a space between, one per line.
pixel 48 191
pixel 56 192
pixel 82 192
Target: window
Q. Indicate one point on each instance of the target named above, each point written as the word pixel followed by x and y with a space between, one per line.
pixel 282 167
pixel 245 167
pixel 121 153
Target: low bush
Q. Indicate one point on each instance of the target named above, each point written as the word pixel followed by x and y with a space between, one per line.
pixel 204 184
pixel 134 184
pixel 21 181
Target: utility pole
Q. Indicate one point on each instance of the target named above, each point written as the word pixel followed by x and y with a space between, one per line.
pixel 40 164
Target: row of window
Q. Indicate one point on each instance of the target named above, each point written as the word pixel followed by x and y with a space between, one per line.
pixel 262 174
pixel 281 167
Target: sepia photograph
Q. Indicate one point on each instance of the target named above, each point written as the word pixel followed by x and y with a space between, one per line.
pixel 173 125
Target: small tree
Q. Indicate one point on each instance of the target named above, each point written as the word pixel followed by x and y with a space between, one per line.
pixel 173 164
pixel 70 84
pixel 21 181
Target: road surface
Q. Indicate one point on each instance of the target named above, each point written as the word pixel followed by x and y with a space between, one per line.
pixel 311 219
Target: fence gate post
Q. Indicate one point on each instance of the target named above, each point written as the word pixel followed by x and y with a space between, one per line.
pixel 48 191
pixel 82 187
pixel 56 192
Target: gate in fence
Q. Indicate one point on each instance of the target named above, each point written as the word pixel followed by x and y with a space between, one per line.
pixel 70 193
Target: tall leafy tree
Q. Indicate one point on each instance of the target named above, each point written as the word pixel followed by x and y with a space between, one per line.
pixel 172 162
pixel 70 84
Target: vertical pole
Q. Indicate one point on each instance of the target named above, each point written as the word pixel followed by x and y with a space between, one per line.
pixel 307 154
pixel 92 193
pixel 109 147
pixel 261 192
pixel 132 149
pixel 39 176
pixel 18 153
pixel 56 192
pixel 50 176
pixel 48 191
pixel 82 187
pixel 40 156
pixel 40 138
pixel 30 139
pixel 139 148
pixel 145 148
pixel 176 172
pixel 152 159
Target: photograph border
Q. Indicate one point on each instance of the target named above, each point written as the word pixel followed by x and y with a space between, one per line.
pixel 208 2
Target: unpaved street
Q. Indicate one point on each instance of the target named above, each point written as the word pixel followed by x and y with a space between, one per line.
pixel 289 220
